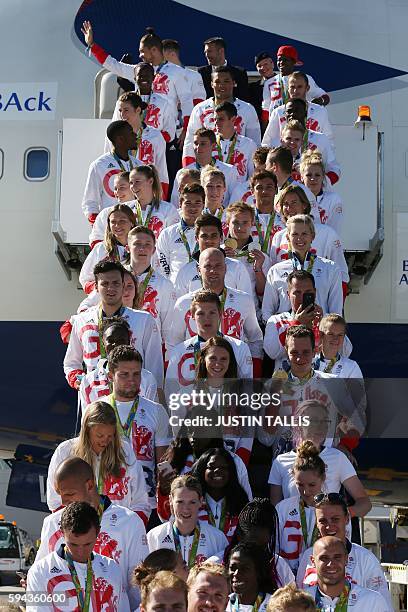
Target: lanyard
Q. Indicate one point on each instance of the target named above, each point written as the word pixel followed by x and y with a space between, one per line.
pixel 255 607
pixel 305 143
pixel 296 263
pixel 302 381
pixel 283 90
pixel 125 429
pixel 119 162
pixel 212 163
pixel 222 300
pixel 186 244
pixel 264 239
pixel 102 349
pixel 223 518
pixel 341 605
pixel 83 602
pixel 329 366
pixel 139 214
pixel 303 522
pixel 218 213
pixel 143 286
pixel 231 149
pixel 193 550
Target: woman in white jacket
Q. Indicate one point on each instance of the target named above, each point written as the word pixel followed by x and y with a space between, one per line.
pixel 118 473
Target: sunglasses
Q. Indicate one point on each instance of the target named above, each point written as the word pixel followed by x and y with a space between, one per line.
pixel 333 498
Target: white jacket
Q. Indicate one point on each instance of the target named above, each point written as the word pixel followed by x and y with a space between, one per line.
pixel 317 120
pixel 171 251
pixel 272 92
pixel 97 254
pixel 360 600
pixel 188 278
pixel 231 179
pixel 242 156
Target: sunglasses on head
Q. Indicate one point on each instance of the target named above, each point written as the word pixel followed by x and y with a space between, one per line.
pixel 333 498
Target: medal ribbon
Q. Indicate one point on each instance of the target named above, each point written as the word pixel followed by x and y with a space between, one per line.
pixel 223 517
pixel 303 522
pixel 341 605
pixel 231 148
pixel 143 286
pixel 139 214
pixel 212 163
pixel 222 300
pixel 186 244
pixel 83 602
pixel 283 90
pixel 125 429
pixel 296 263
pixel 218 214
pixel 120 164
pixel 193 550
pixel 102 349
pixel 255 607
pixel 264 240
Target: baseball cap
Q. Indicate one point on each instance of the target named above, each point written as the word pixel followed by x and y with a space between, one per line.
pixel 289 51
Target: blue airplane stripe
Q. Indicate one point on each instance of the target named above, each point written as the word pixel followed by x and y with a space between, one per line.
pixel 118 26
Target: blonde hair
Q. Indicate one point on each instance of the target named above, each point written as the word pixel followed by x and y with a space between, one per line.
pixel 110 241
pixel 240 207
pixel 294 124
pixel 308 459
pixel 209 172
pixel 311 157
pixel 209 567
pixel 290 598
pixel 112 457
pixel 191 173
pixel 161 580
pixel 305 219
pixel 187 481
pixel 331 318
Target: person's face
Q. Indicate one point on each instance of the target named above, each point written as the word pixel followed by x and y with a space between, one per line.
pixel 217 472
pixel 297 88
pixel 240 225
pixel 295 110
pixel 300 236
pixel 214 190
pixel 223 85
pixel 214 54
pixel 264 191
pixel 141 186
pixel 319 425
pixel 297 289
pixel 285 64
pixel 331 521
pixel 121 189
pixel 126 379
pixel 223 123
pixel 71 489
pixel 185 504
pixel 292 140
pixel 141 248
pixel 313 178
pixel 208 236
pixel 191 207
pixel 110 287
pixel 129 291
pixel 146 54
pixel 330 562
pixel 333 337
pixel 208 593
pixel 165 600
pixel 300 354
pixel 80 545
pixel 202 147
pixel 144 79
pixel 101 436
pixel 265 67
pixel 115 336
pixel 212 269
pixel 309 484
pixel 242 573
pixel 129 138
pixel 292 205
pixel 128 112
pixel 207 318
pixel 216 362
pixel 120 225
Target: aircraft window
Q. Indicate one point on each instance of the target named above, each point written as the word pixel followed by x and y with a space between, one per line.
pixel 37 164
pixel 1 163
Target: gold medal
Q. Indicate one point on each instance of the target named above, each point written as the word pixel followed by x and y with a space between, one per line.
pixel 280 375
pixel 231 243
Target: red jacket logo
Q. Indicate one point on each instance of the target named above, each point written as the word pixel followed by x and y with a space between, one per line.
pixel 107 547
pixel 144 443
pixel 238 124
pixel 207 118
pixel 150 301
pixel 156 225
pixel 106 181
pixel 239 161
pixel 104 595
pixel 161 83
pixel 312 124
pixel 232 323
pixel 146 152
pixel 152 116
pixel 117 487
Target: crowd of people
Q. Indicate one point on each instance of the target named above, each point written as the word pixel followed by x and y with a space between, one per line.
pixel 216 265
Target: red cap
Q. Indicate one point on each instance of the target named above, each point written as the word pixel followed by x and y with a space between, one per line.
pixel 289 51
